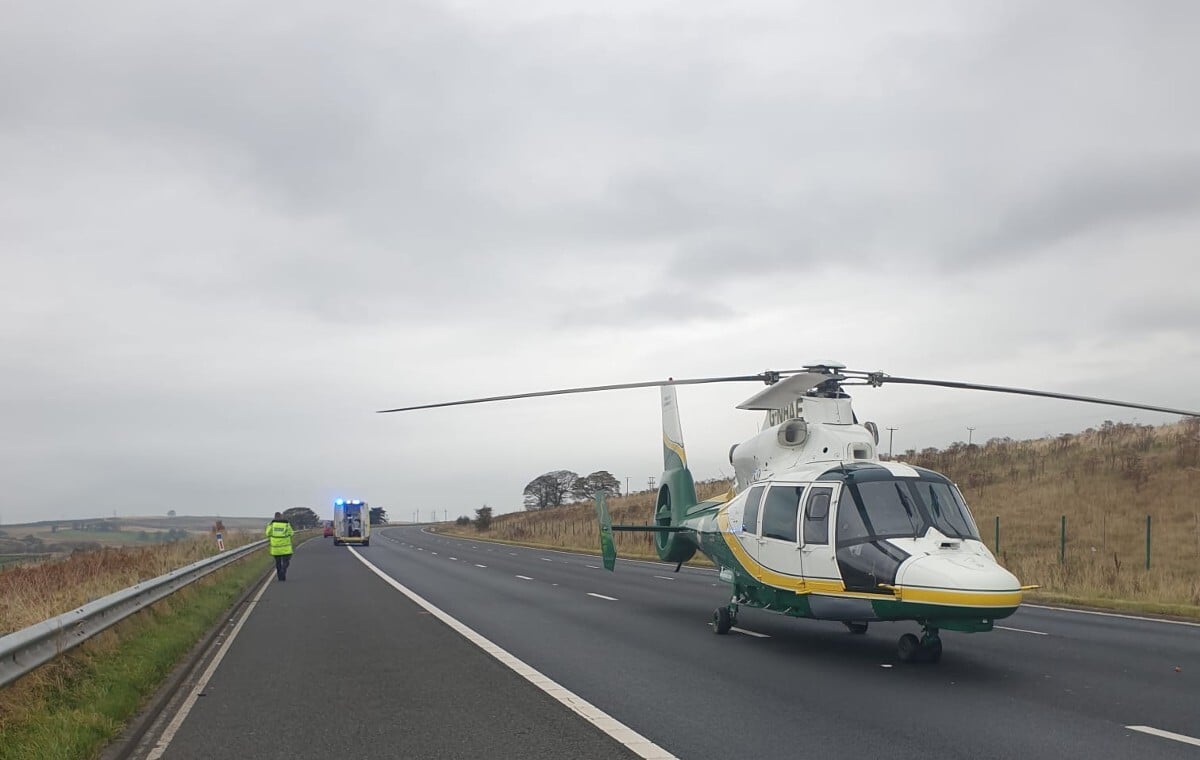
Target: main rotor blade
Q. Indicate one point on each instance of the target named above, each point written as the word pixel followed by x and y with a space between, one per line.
pixel 880 378
pixel 764 377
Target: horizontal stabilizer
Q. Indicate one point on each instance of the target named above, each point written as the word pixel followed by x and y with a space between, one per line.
pixel 649 528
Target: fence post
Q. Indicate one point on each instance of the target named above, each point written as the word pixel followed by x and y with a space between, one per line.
pixel 997 535
pixel 1062 542
pixel 1147 542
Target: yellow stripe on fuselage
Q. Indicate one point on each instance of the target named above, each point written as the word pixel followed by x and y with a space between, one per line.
pixel 828 587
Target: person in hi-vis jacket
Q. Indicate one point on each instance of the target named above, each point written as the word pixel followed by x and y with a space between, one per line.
pixel 280 532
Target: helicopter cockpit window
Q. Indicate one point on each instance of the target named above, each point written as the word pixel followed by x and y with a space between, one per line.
pixel 750 516
pixel 946 510
pixel 816 516
pixel 779 512
pixel 901 509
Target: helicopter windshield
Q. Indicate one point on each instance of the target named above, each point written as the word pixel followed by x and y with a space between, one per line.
pixel 902 508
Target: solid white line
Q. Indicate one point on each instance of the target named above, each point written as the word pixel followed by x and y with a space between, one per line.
pixel 602 596
pixel 479 565
pixel 755 634
pixel 1166 735
pixel 525 577
pixel 638 744
pixel 664 577
pixel 1111 614
pixel 1022 630
pixel 163 741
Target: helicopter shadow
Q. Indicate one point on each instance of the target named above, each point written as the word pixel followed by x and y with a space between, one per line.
pixel 828 644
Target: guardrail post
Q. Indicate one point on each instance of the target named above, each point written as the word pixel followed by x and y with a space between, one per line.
pixel 997 535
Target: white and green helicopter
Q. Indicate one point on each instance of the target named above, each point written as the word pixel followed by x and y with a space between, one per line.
pixel 816 524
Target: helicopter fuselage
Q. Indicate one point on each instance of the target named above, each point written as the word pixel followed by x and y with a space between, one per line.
pixel 857 542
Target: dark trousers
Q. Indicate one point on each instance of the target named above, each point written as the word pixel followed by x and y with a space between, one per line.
pixel 281 565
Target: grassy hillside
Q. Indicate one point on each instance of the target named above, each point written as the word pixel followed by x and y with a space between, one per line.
pixel 1105 482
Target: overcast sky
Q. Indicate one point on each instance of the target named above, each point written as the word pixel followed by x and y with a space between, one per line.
pixel 230 232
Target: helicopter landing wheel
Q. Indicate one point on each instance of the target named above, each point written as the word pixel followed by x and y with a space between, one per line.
pixel 931 646
pixel 722 620
pixel 855 627
pixel 908 647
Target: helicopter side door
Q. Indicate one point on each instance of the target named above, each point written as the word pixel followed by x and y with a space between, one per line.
pixel 747 533
pixel 818 563
pixel 779 544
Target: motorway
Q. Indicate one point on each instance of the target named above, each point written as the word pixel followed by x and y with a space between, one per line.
pixel 337 662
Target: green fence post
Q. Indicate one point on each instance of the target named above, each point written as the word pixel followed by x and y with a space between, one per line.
pixel 1062 542
pixel 997 535
pixel 1147 542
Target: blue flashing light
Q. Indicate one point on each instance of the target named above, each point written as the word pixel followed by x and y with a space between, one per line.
pixel 339 502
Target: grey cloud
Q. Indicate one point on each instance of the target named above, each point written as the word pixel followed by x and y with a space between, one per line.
pixel 247 226
pixel 1092 199
pixel 668 308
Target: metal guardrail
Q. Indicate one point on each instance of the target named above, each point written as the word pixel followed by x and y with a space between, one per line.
pixel 28 648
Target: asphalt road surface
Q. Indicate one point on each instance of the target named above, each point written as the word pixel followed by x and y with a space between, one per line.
pixel 354 669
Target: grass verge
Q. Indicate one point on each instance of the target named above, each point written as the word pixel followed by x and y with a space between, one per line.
pixel 73 706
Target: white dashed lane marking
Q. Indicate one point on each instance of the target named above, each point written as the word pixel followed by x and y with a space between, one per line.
pixel 602 596
pixel 1166 735
pixel 755 634
pixel 525 577
pixel 1022 630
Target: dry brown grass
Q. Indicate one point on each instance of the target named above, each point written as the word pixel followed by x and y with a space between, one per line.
pixel 30 593
pixel 1105 481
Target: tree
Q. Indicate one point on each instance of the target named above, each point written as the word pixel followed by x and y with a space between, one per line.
pixel 483 518
pixel 601 480
pixel 462 520
pixel 378 516
pixel 301 517
pixel 170 513
pixel 550 490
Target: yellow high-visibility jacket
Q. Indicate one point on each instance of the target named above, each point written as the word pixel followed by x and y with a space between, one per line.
pixel 280 533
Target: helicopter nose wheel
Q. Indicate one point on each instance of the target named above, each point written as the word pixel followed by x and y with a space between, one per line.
pixel 724 618
pixel 928 648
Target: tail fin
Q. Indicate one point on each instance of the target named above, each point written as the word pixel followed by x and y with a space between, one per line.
pixel 676 490
pixel 674 456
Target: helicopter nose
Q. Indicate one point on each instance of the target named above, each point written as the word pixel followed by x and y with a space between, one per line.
pixel 960 572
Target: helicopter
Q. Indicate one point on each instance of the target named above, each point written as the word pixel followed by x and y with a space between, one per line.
pixel 817 525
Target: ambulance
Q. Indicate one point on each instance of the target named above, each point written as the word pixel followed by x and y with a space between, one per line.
pixel 351 522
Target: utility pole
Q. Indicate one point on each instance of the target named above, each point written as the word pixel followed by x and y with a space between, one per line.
pixel 891 434
pixel 445 515
pixel 970 435
pixel 626 485
pixel 650 482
